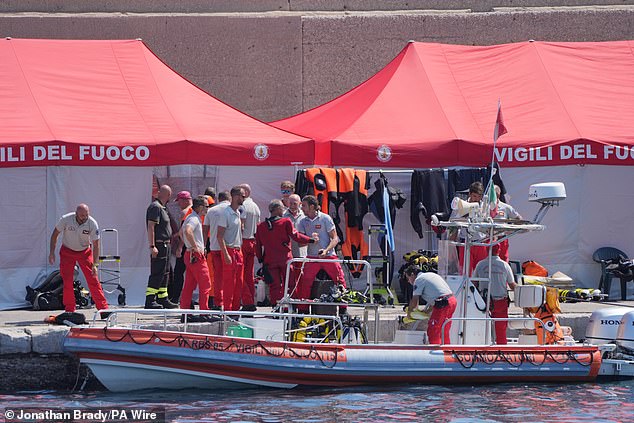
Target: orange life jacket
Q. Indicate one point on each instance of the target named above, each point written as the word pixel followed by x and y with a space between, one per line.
pixel 353 192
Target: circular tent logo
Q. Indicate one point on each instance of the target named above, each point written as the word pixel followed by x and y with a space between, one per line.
pixel 261 152
pixel 384 153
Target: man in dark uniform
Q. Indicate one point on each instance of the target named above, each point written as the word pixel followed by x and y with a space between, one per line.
pixel 159 233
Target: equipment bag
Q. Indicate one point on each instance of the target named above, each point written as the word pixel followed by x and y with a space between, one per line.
pixel 533 268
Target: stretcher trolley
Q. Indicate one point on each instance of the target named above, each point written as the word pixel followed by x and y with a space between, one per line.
pixel 110 263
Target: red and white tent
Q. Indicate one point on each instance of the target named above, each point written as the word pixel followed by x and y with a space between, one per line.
pixel 89 121
pixel 569 111
pixel 114 103
pixel 434 105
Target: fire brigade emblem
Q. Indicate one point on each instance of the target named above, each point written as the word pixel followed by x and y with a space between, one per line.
pixel 261 152
pixel 384 153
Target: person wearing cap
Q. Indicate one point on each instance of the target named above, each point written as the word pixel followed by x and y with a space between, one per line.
pixel 79 231
pixel 159 234
pixel 197 272
pixel 502 279
pixel 432 288
pixel 184 201
pixel 250 216
pixel 229 236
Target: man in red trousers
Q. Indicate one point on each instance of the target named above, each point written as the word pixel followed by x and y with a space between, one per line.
pixel 79 230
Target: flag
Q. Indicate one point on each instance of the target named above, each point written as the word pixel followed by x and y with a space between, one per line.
pixel 500 129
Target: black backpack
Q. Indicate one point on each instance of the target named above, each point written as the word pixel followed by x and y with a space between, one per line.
pixel 49 295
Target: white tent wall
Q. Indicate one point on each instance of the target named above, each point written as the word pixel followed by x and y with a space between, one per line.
pixel 23 229
pixel 35 198
pixel 597 212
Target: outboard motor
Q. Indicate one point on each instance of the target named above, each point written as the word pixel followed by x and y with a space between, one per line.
pixel 625 334
pixel 604 325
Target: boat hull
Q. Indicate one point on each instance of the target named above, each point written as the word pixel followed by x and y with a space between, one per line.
pixel 126 359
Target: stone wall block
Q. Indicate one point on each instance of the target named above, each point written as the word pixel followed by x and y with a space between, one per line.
pixel 14 341
pixel 47 340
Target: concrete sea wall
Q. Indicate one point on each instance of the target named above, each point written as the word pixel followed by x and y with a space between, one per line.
pixel 275 58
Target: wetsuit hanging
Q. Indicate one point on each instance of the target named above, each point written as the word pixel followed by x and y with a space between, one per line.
pixel 429 196
pixel 353 189
pixel 386 198
pixel 461 179
pixel 324 184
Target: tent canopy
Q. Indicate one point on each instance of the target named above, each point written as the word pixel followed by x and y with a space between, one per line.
pixel 114 103
pixel 435 105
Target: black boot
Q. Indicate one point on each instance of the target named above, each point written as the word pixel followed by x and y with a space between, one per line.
pixel 150 302
pixel 166 303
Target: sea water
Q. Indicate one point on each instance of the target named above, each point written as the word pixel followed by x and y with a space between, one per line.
pixel 592 402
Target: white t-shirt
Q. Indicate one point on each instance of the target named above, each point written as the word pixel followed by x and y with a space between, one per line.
pixel 430 287
pixel 230 220
pixel 322 224
pixel 213 215
pixel 297 250
pixel 501 276
pixel 506 211
pixel 251 215
pixel 193 221
pixel 75 236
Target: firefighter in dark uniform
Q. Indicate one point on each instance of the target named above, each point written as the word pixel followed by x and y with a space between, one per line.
pixel 159 233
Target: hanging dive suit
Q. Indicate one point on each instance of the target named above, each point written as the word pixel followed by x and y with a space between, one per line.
pixel 322 183
pixel 353 192
pixel 383 204
pixel 429 196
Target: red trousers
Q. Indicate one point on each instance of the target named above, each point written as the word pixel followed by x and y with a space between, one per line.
pixel 504 250
pixel 476 254
pixel 437 318
pixel 278 274
pixel 500 310
pixel 305 285
pixel 217 261
pixel 67 260
pixel 210 266
pixel 248 283
pixel 196 275
pixel 231 288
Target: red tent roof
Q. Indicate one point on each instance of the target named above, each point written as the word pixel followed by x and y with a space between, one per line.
pixel 435 105
pixel 71 102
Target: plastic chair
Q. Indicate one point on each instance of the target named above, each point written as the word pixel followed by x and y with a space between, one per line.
pixel 604 256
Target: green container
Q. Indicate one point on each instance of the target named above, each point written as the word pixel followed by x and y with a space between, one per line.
pixel 240 331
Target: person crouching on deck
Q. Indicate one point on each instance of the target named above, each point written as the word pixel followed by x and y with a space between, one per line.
pixel 435 291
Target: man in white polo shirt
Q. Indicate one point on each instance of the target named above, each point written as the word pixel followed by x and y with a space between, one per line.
pixel 197 272
pixel 79 230
pixel 229 238
pixel 250 218
pixel 316 224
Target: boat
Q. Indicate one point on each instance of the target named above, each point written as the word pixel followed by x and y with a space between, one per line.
pixel 335 346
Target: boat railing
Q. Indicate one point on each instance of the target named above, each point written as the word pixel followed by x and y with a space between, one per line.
pixel 221 317
pixel 493 319
pixel 304 260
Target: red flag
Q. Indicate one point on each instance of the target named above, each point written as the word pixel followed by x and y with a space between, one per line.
pixel 500 129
